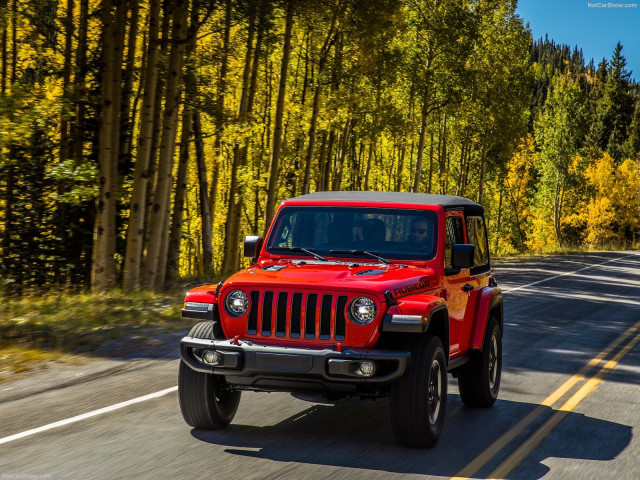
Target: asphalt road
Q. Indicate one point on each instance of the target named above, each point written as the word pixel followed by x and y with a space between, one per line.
pixel 547 422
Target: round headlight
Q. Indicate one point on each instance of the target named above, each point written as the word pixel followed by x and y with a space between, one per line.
pixel 237 303
pixel 363 310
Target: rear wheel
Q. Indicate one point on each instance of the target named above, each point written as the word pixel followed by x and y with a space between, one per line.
pixel 419 398
pixel 206 400
pixel 479 380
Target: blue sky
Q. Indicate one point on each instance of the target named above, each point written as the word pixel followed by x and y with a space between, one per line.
pixel 594 26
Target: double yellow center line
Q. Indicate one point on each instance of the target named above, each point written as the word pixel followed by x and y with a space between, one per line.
pixel 513 460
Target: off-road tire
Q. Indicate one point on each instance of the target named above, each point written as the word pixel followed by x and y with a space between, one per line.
pixel 479 379
pixel 206 400
pixel 419 398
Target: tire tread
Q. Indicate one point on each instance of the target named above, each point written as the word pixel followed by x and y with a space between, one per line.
pixel 473 382
pixel 197 391
pixel 409 420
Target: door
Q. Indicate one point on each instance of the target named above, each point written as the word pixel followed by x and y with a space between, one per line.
pixel 478 274
pixel 454 282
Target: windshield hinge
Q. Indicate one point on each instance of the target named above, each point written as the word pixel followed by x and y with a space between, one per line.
pixel 390 300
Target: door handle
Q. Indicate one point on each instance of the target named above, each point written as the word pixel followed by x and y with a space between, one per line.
pixel 468 287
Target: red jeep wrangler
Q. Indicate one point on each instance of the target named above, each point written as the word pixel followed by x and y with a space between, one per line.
pixel 367 294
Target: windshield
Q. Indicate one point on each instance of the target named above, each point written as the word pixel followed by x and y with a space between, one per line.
pixel 387 232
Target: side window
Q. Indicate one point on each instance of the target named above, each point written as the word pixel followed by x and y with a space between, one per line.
pixel 455 234
pixel 477 234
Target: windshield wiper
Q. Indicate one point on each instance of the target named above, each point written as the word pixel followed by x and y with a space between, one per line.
pixel 364 253
pixel 301 250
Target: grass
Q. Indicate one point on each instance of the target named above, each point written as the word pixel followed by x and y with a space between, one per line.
pixel 36 331
pixel 15 360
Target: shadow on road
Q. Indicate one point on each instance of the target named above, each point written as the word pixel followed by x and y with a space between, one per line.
pixel 560 325
pixel 357 434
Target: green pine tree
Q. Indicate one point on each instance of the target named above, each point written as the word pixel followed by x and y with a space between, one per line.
pixel 614 109
pixel 631 146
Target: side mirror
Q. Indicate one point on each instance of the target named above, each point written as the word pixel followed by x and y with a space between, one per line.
pixel 252 246
pixel 462 255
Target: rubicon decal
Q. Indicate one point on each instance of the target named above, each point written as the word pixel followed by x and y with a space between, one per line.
pixel 410 288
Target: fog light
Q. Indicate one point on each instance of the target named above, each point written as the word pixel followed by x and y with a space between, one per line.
pixel 211 357
pixel 367 368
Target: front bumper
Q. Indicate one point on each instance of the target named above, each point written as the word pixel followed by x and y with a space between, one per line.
pixel 278 368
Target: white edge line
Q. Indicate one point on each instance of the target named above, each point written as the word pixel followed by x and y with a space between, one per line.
pixel 84 416
pixel 567 273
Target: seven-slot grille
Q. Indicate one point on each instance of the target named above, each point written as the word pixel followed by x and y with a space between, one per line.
pixel 297 315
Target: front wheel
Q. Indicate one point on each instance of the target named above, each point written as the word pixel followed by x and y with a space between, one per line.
pixel 419 398
pixel 206 400
pixel 479 380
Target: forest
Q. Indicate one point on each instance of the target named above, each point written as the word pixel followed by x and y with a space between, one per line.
pixel 141 140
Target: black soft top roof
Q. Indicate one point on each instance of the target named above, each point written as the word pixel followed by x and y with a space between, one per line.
pixel 448 202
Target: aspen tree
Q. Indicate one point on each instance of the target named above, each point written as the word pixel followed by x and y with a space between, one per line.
pixel 155 260
pixel 274 162
pixel 230 259
pixel 136 227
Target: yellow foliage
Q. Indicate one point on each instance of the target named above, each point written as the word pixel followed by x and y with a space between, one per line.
pixel 517 184
pixel 601 174
pixel 543 236
pixel 600 217
pixel 615 208
pixel 626 193
pixel 519 173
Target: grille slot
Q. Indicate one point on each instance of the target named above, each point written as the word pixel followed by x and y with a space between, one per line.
pixel 325 317
pixel 310 316
pixel 281 315
pixel 341 321
pixel 252 327
pixel 267 313
pixel 296 314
